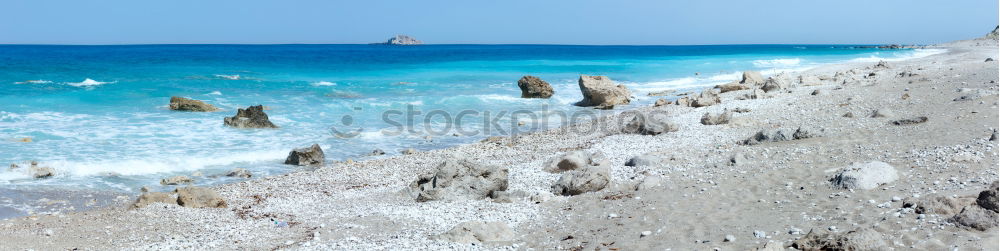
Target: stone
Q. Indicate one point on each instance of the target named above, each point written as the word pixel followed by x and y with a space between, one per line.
pixel 776 83
pixel 572 161
pixel 190 105
pixel 866 176
pixel 307 156
pixel 660 93
pixel 882 65
pixel 199 197
pixel 759 234
pixel 752 78
pixel 41 172
pixel 859 239
pixel 806 132
pixel 148 198
pixel 942 205
pixel 377 152
pixel 731 86
pixel 974 217
pixel 251 117
pixel 661 102
pixel 458 178
pixel 647 159
pixel 651 123
pixel 645 233
pixel 994 136
pixel 576 182
pixel 403 40
pixel 409 151
pixel 239 173
pixel 768 135
pixel 716 119
pixel 602 92
pixel 649 182
pixel 478 232
pixel 989 60
pixel 176 180
pixel 683 101
pixel 909 121
pixel 848 115
pixel 534 87
pixel 729 238
pixel 816 92
pixel 988 198
pixel 707 97
pixel 737 159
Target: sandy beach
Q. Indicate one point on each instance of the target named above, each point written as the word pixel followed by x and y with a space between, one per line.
pixel 700 187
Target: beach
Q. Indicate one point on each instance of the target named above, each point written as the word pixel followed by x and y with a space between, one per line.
pixel 697 187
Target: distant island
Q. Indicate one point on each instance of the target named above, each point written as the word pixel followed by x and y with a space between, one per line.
pixel 402 40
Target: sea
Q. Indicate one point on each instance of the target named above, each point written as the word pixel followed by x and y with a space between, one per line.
pixel 98 115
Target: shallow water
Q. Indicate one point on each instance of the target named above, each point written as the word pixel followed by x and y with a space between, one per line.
pixel 98 114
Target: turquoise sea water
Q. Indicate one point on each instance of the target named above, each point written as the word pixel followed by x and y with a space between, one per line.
pixel 98 114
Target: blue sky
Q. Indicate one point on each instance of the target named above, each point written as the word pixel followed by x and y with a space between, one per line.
pixel 494 22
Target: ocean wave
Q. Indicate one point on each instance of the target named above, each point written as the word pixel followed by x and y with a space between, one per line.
pixel 324 83
pixel 916 53
pixel 154 165
pixel 34 82
pixel 215 93
pixel 88 82
pixel 229 77
pixel 781 62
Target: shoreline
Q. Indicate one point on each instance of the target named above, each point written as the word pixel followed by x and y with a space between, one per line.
pixel 362 204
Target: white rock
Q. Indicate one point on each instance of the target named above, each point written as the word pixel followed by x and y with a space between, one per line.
pixel 865 176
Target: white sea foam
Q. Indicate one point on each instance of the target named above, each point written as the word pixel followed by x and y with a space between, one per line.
pixel 161 164
pixel 34 82
pixel 497 97
pixel 88 82
pixel 916 53
pixel 215 93
pixel 229 77
pixel 781 62
pixel 324 83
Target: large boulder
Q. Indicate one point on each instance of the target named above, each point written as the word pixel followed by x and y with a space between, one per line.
pixel 706 98
pixel 866 176
pixel 307 156
pixel 199 197
pixel 988 198
pixel 190 105
pixel 590 179
pixel 651 123
pixel 459 178
pixel 600 91
pixel 534 87
pixel 574 160
pixel 716 118
pixel 478 232
pixel 252 117
pixel 148 198
pixel 752 78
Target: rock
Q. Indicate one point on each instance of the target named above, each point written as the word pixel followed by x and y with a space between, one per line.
pixel 848 115
pixel 881 113
pixel 942 205
pixel 176 180
pixel 683 101
pixel 403 40
pixel 651 123
pixel 993 136
pixel 706 98
pixel 882 65
pixel 805 133
pixel 995 34
pixel 602 92
pixel 752 78
pixel 199 197
pixel 239 173
pixel 648 182
pixel 458 178
pixel 756 93
pixel 647 159
pixel 590 179
pixel 910 121
pixel 776 83
pixel 148 198
pixel 409 151
pixel 190 105
pixel 41 172
pixel 307 156
pixel 737 159
pixel 759 234
pixel 645 233
pixel 534 87
pixel 768 135
pixel 729 238
pixel 661 102
pixel 252 117
pixel 732 86
pixel 859 239
pixel 716 119
pixel 975 217
pixel 989 60
pixel 660 93
pixel 572 161
pixel 865 176
pixel 988 198
pixel 478 232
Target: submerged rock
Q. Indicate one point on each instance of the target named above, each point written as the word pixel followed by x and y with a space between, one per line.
pixel 191 105
pixel 534 87
pixel 478 232
pixel 199 197
pixel 459 178
pixel 176 180
pixel 865 176
pixel 652 123
pixel 600 91
pixel 590 179
pixel 308 156
pixel 41 172
pixel 251 117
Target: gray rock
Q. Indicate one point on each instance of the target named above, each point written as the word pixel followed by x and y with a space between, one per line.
pixel 252 117
pixel 974 217
pixel 534 87
pixel 651 123
pixel 148 198
pixel 859 239
pixel 909 121
pixel 806 132
pixel 776 83
pixel 590 179
pixel 661 102
pixel 41 172
pixel 993 136
pixel 239 173
pixel 716 119
pixel 459 178
pixel 732 86
pixel 648 182
pixel 403 40
pixel 409 151
pixel 988 198
pixel 176 180
pixel 478 232
pixel 572 161
pixel 707 97
pixel 752 78
pixel 769 135
pixel 307 156
pixel 647 159
pixel 190 105
pixel 377 152
pixel 737 159
pixel 865 176
pixel 199 197
pixel 602 92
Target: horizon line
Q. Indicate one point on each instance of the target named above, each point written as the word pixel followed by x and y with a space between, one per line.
pixel 417 45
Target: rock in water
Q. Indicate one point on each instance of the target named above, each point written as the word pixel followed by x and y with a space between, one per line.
pixel 865 176
pixel 534 87
pixel 590 179
pixel 176 180
pixel 706 98
pixel 572 161
pixel 148 198
pixel 199 197
pixel 478 232
pixel 752 78
pixel 190 105
pixel 403 40
pixel 600 91
pixel 252 117
pixel 239 173
pixel 459 178
pixel 716 119
pixel 308 156
pixel 988 198
pixel 652 123
pixel 41 172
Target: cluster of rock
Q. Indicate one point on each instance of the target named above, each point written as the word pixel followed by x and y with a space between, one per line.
pixel 858 239
pixel 194 197
pixel 601 92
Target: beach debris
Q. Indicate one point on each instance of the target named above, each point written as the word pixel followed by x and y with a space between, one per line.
pixel 574 160
pixel 732 86
pixel 251 117
pixel 601 91
pixel 716 118
pixel 866 176
pixel 651 123
pixel 661 102
pixel 459 178
pixel 239 173
pixel 752 78
pixel 858 239
pixel 910 121
pixel 707 97
pixel 534 87
pixel 199 197
pixel 176 180
pixel 988 198
pixel 478 232
pixel 190 105
pixel 589 179
pixel 307 156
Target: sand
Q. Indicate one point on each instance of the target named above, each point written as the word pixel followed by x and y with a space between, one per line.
pixel 779 192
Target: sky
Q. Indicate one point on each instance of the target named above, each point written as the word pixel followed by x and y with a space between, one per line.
pixel 598 22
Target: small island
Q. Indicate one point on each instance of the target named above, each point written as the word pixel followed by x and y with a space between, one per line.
pixel 402 40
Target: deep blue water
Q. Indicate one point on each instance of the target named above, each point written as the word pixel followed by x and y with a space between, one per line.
pixel 97 114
